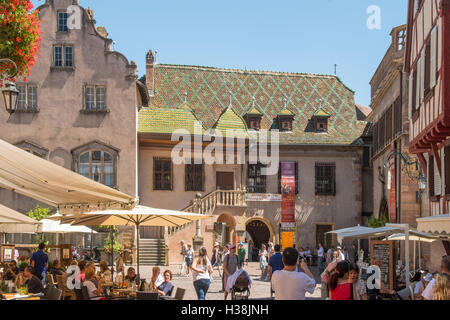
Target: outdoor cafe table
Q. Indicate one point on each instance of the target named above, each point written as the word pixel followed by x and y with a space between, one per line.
pixel 12 296
pixel 131 293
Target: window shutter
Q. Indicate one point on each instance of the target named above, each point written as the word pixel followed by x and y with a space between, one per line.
pixel 418 71
pixel 422 75
pixel 447 169
pixel 437 180
pixel 433 57
pixel 431 176
pixel 410 88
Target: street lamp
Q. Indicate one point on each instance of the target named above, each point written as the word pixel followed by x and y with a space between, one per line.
pixel 10 92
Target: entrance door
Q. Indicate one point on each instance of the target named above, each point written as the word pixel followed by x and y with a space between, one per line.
pixel 225 180
pixel 260 234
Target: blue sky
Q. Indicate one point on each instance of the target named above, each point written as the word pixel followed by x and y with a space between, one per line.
pixel 286 35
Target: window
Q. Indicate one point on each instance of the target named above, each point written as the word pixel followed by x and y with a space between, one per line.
pixel 427 67
pixel 256 182
pixel 296 179
pixel 414 92
pixel 27 99
pixel 162 177
pixel 322 235
pixel 194 177
pixel 321 124
pixel 63 56
pixel 62 22
pixel 447 170
pixel 94 97
pixel 98 166
pixel 366 157
pixel 325 179
pixel 32 148
pixel 254 122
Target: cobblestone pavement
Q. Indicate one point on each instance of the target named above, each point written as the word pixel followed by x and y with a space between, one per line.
pixel 260 289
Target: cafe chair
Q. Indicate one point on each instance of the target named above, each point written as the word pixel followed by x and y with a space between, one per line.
pixel 52 293
pixel 141 295
pixel 66 293
pixel 179 295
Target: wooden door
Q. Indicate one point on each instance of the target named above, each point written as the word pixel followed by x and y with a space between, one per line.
pixel 225 180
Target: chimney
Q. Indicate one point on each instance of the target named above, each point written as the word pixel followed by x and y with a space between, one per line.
pixel 150 73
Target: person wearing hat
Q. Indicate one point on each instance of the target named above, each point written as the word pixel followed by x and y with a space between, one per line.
pixel 215 260
pixel 241 253
pixel 422 284
pixel 341 256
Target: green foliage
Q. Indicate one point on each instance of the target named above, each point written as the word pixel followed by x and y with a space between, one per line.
pixel 22 265
pixel 39 213
pixel 117 247
pixel 377 223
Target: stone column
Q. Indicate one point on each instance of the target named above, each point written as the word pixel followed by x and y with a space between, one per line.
pixel 198 239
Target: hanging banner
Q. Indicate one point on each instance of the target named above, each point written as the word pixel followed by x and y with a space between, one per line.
pixel 287 192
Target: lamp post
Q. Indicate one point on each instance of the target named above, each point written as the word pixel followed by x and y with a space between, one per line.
pixel 10 92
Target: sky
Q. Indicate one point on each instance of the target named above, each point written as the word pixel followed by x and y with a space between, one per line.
pixel 286 35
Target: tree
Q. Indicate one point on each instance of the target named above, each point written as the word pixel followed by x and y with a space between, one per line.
pixel 377 223
pixel 39 213
pixel 20 37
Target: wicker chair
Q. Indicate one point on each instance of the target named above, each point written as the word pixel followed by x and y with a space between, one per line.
pixel 66 293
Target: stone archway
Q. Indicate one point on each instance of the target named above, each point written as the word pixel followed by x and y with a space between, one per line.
pixel 230 222
pixel 261 232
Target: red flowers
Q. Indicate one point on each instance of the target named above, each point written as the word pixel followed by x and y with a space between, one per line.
pixel 20 38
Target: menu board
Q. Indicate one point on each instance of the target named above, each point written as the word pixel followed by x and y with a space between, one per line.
pixel 7 253
pixel 382 251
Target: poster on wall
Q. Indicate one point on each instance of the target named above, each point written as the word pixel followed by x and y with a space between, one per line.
pixel 287 192
pixel 7 253
pixel 287 240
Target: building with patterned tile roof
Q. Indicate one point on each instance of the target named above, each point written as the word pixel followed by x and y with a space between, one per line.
pixel 243 204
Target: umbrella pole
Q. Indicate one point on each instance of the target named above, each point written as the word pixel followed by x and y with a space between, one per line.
pixel 414 256
pixel 420 255
pixel 112 253
pixel 137 243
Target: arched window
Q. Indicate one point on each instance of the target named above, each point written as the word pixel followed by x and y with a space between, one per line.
pixel 98 162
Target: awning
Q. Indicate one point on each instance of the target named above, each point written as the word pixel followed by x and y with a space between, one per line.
pixel 437 225
pixel 42 180
pixel 371 233
pixel 52 226
pixel 15 222
pixel 413 236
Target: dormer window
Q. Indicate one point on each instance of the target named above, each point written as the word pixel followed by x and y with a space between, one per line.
pixel 320 120
pixel 285 120
pixel 254 117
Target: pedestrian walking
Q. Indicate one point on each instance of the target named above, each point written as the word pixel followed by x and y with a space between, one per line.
pixel 230 265
pixel 241 253
pixel 202 271
pixel 183 253
pixel 39 262
pixel 289 284
pixel 321 258
pixel 275 264
pixel 189 257
pixel 215 258
pixel 263 261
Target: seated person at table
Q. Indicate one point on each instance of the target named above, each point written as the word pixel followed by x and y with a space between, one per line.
pixel 166 288
pixel 93 291
pixel 28 279
pixel 157 279
pixel 95 280
pixel 105 273
pixel 131 276
pixel 55 269
pixel 11 272
pixel 82 266
pixel 425 279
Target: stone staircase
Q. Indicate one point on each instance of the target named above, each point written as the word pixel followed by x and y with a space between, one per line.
pixel 152 252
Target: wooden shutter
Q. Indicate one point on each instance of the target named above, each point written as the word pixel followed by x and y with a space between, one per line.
pixel 410 100
pixel 422 75
pixel 437 179
pixel 433 57
pixel 431 176
pixel 447 169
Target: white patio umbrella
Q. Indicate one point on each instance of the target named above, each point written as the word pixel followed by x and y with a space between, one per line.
pixel 138 216
pixel 12 221
pixel 52 226
pixel 355 229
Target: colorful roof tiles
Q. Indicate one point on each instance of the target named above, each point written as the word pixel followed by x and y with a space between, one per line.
pixel 209 91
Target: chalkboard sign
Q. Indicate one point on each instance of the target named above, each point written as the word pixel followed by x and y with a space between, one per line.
pixel 383 252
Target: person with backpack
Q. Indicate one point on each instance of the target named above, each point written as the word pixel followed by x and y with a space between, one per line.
pixel 230 265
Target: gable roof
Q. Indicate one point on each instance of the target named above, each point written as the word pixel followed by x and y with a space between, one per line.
pixel 230 120
pixel 208 92
pixel 321 113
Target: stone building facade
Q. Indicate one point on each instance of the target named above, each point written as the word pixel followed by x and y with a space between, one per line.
pixel 323 135
pixel 79 106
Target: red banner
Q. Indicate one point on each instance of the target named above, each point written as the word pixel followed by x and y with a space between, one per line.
pixel 287 192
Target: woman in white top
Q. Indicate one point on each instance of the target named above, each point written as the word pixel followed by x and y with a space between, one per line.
pixel 263 260
pixel 93 291
pixel 201 271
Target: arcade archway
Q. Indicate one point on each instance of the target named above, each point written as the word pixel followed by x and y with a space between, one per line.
pixel 260 233
pixel 230 227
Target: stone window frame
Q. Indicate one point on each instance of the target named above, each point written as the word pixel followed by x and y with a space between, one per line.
pixel 190 185
pixel 84 100
pixel 320 190
pixel 63 58
pixel 33 148
pixel 58 12
pixel 96 146
pixel 27 85
pixel 160 188
pixel 258 188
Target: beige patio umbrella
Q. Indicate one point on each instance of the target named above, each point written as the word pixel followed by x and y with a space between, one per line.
pixel 42 180
pixel 12 221
pixel 138 216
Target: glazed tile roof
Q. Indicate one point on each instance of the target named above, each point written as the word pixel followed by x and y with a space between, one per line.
pixel 230 120
pixel 208 94
pixel 158 120
pixel 322 113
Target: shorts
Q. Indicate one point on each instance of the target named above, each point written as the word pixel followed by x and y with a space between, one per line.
pixel 189 262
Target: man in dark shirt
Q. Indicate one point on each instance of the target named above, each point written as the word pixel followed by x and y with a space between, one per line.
pixel 39 261
pixel 275 264
pixel 31 281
